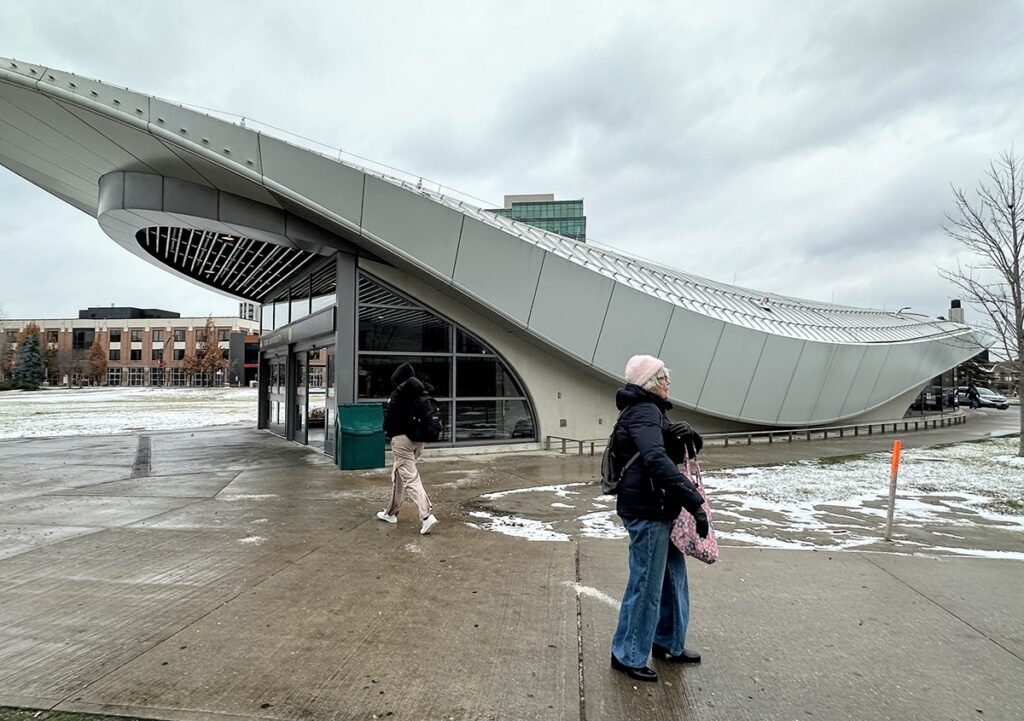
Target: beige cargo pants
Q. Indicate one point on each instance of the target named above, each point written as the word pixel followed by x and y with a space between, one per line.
pixel 405 477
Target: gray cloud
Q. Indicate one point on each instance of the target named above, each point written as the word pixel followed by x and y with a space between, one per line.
pixel 800 147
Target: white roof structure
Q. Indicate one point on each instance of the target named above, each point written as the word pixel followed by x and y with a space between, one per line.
pixel 240 211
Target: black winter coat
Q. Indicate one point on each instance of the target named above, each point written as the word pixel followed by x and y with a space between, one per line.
pixel 652 488
pixel 399 412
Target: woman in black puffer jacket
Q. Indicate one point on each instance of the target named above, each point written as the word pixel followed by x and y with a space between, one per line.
pixel 656 604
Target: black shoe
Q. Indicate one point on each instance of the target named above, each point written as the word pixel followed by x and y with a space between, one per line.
pixel 644 673
pixel 687 656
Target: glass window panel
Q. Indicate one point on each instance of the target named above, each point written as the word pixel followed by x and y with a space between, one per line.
pixel 465 343
pixel 496 420
pixel 82 339
pixel 403 330
pixel 485 377
pixel 322 302
pixel 375 374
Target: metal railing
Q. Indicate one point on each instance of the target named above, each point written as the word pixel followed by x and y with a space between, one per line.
pixel 905 425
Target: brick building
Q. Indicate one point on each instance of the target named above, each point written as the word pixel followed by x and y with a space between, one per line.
pixel 143 347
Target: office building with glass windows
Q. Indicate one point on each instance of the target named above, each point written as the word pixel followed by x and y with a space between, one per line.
pixel 522 332
pixel 564 217
pixel 141 346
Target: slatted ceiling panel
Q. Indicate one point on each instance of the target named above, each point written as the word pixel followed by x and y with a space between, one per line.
pixel 371 293
pixel 325 281
pixel 408 317
pixel 243 267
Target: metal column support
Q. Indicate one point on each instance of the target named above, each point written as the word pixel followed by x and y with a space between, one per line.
pixel 345 334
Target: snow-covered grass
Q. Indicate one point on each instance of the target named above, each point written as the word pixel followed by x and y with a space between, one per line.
pixel 88 411
pixel 983 478
pixel 965 499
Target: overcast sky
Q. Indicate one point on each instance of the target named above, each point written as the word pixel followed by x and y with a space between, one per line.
pixel 806 148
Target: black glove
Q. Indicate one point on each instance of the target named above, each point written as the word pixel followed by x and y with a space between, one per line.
pixel 687 437
pixel 703 526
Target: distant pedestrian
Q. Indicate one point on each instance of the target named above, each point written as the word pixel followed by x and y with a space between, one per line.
pixel 973 395
pixel 398 424
pixel 656 604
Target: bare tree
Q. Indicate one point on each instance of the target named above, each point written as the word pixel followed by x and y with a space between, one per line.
pixel 66 364
pixel 210 359
pixel 5 356
pixel 96 367
pixel 5 351
pixel 992 229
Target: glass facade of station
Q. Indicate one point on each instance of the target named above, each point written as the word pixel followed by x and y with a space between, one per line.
pixel 481 399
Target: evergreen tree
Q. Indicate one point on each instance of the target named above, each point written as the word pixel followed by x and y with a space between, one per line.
pixel 30 370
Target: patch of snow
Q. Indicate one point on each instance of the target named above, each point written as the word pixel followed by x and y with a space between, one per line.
pixel 981 553
pixel 413 548
pixel 592 592
pixel 561 505
pixel 252 540
pixel 246 496
pixel 560 491
pixel 601 524
pixel 527 528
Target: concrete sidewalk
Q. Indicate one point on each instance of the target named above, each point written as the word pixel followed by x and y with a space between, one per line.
pixel 232 575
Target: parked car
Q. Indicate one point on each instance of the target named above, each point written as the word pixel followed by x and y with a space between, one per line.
pixel 987 398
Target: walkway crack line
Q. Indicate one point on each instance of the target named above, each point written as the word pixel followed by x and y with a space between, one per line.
pixel 962 620
pixel 579 635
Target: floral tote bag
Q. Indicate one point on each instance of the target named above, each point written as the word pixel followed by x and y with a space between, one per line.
pixel 684 529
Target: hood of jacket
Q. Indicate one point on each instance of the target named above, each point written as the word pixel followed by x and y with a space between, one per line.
pixel 631 394
pixel 403 373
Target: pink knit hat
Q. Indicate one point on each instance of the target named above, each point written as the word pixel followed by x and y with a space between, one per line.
pixel 641 368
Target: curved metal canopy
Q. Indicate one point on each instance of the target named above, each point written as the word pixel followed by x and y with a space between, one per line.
pixel 238 210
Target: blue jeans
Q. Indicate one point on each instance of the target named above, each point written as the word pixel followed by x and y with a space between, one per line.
pixel 656 604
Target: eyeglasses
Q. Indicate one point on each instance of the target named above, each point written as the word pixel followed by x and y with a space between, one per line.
pixel 662 377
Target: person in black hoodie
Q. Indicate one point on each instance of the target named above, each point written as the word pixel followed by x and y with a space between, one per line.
pixel 398 422
pixel 652 491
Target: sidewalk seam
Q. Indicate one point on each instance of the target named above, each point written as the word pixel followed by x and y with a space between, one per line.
pixel 579 634
pixel 936 603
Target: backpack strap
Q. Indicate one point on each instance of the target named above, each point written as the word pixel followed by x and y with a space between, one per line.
pixel 635 455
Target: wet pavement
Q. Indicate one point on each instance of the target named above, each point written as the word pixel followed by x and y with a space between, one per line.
pixel 230 574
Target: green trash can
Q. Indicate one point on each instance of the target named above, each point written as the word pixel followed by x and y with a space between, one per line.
pixel 359 435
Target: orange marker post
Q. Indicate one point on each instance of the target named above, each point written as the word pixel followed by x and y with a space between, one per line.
pixel 894 471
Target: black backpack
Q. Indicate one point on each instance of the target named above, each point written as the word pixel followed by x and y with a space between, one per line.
pixel 426 423
pixel 610 475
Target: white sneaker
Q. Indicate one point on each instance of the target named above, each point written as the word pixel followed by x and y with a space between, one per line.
pixel 428 523
pixel 383 516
